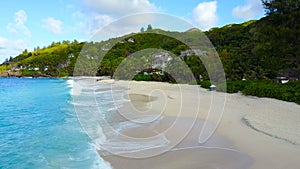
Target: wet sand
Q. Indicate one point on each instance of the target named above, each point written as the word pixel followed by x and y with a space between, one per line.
pixel 252 132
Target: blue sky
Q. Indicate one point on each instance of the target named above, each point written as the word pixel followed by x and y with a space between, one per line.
pixel 28 24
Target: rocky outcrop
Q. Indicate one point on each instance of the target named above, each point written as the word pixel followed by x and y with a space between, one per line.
pixel 4 74
pixel 14 73
pixel 39 74
pixel 11 73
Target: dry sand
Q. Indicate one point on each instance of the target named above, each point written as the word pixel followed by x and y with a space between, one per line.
pixel 264 132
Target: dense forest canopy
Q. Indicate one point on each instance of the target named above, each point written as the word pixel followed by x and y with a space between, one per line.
pixel 277 38
pixel 262 49
pixel 280 7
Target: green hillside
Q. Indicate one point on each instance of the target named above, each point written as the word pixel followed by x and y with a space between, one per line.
pixel 56 60
pixel 262 49
pixel 255 50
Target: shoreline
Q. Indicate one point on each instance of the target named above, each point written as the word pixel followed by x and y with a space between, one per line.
pixel 260 147
pixel 106 78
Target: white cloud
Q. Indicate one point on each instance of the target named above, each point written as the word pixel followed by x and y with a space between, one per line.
pixel 120 7
pixel 18 26
pixel 53 25
pixel 249 10
pixel 99 13
pixel 106 26
pixel 92 24
pixel 128 25
pixel 205 15
pixel 11 48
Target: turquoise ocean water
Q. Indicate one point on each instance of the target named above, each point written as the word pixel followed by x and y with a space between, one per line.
pixel 39 128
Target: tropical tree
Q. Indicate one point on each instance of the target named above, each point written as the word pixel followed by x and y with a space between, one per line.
pixel 277 37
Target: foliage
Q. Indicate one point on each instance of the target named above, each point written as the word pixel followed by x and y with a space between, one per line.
pixel 234 44
pixel 26 72
pixel 255 50
pixel 267 88
pixel 154 77
pixel 126 51
pixel 149 27
pixel 205 84
pixel 63 74
pixel 236 86
pixel 287 92
pixel 4 68
pixel 280 7
pixel 277 38
pixel 58 59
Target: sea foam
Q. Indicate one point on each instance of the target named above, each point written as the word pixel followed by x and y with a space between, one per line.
pixel 97 110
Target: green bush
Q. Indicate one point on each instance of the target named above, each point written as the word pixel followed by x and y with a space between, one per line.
pixel 26 72
pixel 205 84
pixel 63 74
pixel 236 86
pixel 287 92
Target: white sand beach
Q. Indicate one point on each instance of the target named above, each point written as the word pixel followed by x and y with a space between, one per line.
pixel 264 132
